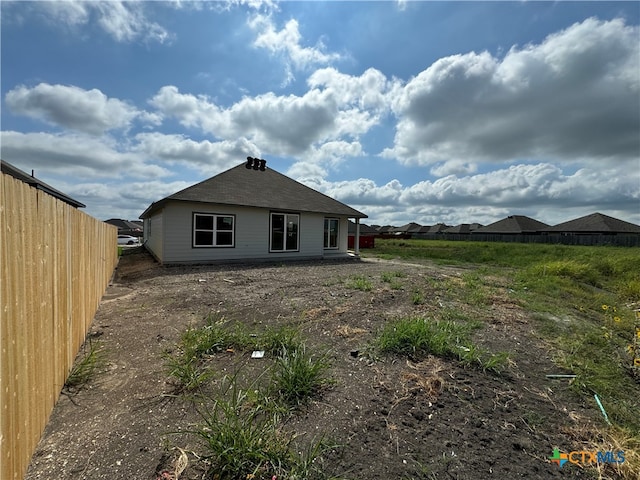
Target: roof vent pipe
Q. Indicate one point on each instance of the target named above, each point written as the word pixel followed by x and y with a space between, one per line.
pixel 256 164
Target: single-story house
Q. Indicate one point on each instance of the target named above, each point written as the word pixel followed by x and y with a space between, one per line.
pixel 126 227
pixel 407 229
pixel 512 225
pixel 462 229
pixel 247 213
pixel 367 235
pixel 595 224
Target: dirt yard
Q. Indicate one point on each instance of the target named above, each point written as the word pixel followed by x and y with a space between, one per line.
pixel 392 417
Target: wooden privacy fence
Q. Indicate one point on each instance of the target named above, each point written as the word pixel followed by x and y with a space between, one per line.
pixel 56 263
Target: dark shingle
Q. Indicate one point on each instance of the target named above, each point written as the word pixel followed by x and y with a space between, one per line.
pixel 254 188
pixel 463 228
pixel 595 223
pixel 514 224
pixel 18 174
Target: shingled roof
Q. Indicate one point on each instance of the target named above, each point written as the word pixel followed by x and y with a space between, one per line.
pixel 256 188
pixel 38 184
pixel 463 228
pixel 514 224
pixel 595 223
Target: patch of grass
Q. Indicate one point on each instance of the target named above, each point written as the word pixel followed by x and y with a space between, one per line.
pixel 243 437
pixel 297 376
pixel 418 337
pixel 217 335
pixel 417 297
pixel 629 289
pixel 86 366
pixel 187 374
pixel 359 282
pixel 278 341
pixel 392 279
pixel 588 352
pixel 568 268
pixel 474 290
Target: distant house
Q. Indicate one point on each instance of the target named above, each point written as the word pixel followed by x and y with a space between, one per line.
pixel 18 174
pixel 596 223
pixel 367 235
pixel 407 229
pixel 365 230
pixel 513 225
pixel 249 212
pixel 385 229
pixel 438 228
pixel 126 227
pixel 462 229
pixel 430 231
pixel 595 229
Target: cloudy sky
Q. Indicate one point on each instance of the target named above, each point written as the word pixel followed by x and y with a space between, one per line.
pixel 430 112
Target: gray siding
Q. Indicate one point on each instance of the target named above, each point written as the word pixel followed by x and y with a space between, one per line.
pixel 251 235
pixel 154 234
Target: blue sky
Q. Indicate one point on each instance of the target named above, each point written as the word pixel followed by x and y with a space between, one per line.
pixel 453 112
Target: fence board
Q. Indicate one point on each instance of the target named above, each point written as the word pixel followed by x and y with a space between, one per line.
pixel 56 262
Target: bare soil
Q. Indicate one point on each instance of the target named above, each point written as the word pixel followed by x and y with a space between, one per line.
pixel 392 417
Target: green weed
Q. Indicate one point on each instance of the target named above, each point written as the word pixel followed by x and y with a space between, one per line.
pixel 216 336
pixel 278 341
pixel 359 282
pixel 297 376
pixel 243 437
pixel 417 298
pixel 186 373
pixel 392 279
pixel 418 337
pixel 86 366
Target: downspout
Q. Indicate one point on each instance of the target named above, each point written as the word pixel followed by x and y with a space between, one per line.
pixel 356 243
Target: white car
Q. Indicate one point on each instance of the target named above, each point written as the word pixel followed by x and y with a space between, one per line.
pixel 127 240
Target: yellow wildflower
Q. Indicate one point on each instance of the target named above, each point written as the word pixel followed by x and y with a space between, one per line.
pixel 605 307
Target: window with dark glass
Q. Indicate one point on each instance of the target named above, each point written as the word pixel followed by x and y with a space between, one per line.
pixel 331 232
pixel 211 230
pixel 284 232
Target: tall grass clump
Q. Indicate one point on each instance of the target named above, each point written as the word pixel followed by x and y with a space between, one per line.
pixel 241 437
pixel 359 282
pixel 277 341
pixel 215 336
pixel 418 337
pixel 242 434
pixel 86 366
pixel 186 367
pixel 297 376
pixel 570 269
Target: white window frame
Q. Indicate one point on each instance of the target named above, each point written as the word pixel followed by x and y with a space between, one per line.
pixel 286 232
pixel 327 233
pixel 214 231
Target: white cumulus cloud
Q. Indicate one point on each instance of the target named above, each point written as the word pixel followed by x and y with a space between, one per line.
pixel 68 106
pixel 574 96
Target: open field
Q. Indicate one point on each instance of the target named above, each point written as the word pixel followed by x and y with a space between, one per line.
pixel 427 361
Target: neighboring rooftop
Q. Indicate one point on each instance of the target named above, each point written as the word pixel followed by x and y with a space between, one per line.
pixel 364 229
pixel 463 228
pixel 18 174
pixel 124 225
pixel 595 223
pixel 514 224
